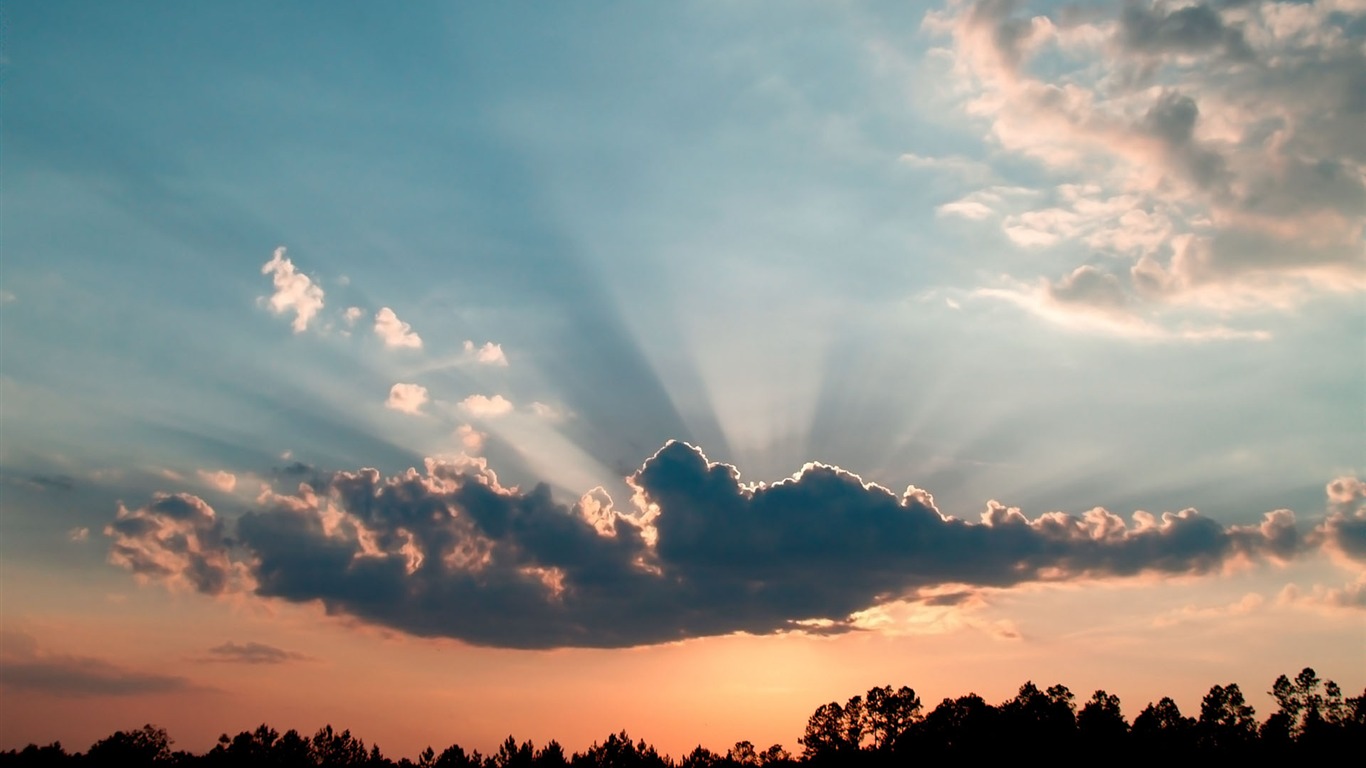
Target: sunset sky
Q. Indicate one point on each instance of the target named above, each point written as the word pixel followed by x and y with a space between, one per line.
pixel 448 370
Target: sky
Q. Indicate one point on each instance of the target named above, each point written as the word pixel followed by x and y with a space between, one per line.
pixel 449 370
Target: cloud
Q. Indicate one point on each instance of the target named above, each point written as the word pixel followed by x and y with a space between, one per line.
pixel 408 398
pixel 451 552
pixel 488 354
pixel 37 481
pixel 1218 143
pixel 250 653
pixel 78 534
pixel 547 412
pixel 1343 532
pixel 176 538
pixel 24 667
pixel 1349 597
pixel 293 291
pixel 351 315
pixel 471 438
pixel 395 332
pixel 1248 604
pixel 486 407
pixel 222 480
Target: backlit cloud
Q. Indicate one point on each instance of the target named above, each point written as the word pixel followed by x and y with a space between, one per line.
pixel 451 552
pixel 177 538
pixel 294 291
pixel 395 332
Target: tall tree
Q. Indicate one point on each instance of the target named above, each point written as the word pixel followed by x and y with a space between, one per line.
pixel 1227 722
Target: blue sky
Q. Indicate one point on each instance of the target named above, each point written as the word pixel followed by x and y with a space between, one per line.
pixel 1061 258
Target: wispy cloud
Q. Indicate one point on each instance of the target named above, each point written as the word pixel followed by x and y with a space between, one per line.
pixel 23 667
pixel 250 653
pixel 220 479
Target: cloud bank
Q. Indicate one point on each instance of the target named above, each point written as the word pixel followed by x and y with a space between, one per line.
pixel 26 667
pixel 450 552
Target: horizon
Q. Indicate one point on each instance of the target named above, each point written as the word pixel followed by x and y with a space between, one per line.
pixel 675 370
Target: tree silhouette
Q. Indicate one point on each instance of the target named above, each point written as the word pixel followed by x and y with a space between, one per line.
pixel 889 715
pixel 148 745
pixel 1227 723
pixel 1160 729
pixel 340 749
pixel 701 757
pixel 961 728
pixel 1313 724
pixel 824 737
pixel 1101 724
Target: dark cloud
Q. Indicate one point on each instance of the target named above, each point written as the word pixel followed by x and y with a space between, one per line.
pixel 250 653
pixel 1344 530
pixel 24 667
pixel 38 481
pixel 1194 29
pixel 450 552
pixel 177 537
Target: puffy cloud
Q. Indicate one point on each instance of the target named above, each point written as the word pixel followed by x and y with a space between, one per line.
pixel 488 354
pixel 351 315
pixel 451 552
pixel 1343 532
pixel 250 653
pixel 1227 134
pixel 408 398
pixel 177 538
pixel 486 407
pixel 294 291
pixel 395 332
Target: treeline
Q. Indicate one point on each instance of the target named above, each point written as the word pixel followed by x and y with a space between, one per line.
pixel 884 727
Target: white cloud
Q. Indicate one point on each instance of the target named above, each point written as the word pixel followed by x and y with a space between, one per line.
pixel 488 354
pixel 408 398
pixel 293 291
pixel 351 315
pixel 487 407
pixel 78 534
pixel 968 209
pixel 395 332
pixel 223 481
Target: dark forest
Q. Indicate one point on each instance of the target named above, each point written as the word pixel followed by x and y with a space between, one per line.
pixel 883 727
